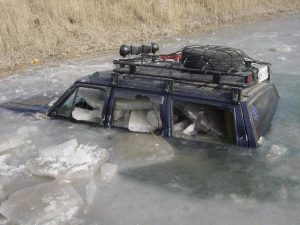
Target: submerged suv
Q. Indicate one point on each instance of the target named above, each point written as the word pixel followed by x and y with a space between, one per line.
pixel 203 93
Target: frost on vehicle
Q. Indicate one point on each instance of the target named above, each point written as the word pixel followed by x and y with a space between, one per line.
pixel 138 111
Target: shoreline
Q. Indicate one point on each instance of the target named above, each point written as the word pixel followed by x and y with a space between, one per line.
pixel 19 68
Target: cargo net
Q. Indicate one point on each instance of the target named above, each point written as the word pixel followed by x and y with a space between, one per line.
pixel 215 58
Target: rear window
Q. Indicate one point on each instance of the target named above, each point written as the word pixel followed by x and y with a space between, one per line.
pixel 200 122
pixel 261 110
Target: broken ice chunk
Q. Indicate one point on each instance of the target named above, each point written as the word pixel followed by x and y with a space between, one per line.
pixel 138 122
pixel 276 153
pixel 53 201
pixel 86 115
pixel 202 123
pixel 68 160
pixel 90 189
pixel 118 115
pixel 16 139
pixel 59 150
pixel 2 194
pixel 180 126
pixel 190 130
pixel 191 111
pixel 153 117
pixel 108 171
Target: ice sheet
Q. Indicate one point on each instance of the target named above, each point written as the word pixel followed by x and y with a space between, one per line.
pixel 68 160
pixel 54 201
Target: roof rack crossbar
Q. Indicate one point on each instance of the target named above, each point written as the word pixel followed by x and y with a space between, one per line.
pixel 179 80
pixel 171 65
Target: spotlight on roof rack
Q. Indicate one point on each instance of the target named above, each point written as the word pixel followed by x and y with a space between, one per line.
pixel 138 50
pixel 155 48
pixel 125 50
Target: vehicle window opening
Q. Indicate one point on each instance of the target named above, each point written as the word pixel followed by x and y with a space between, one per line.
pixel 202 122
pixel 261 110
pixel 66 108
pixel 138 112
pixel 88 104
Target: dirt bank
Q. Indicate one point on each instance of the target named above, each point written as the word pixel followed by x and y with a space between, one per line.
pixel 36 31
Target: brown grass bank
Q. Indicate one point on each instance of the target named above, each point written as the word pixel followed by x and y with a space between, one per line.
pixel 44 29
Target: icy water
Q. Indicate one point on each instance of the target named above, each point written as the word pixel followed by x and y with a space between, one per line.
pixel 160 181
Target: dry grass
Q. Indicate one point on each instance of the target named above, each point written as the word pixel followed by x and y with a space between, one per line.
pixel 62 28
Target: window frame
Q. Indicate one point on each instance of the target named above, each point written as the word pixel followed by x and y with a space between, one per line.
pixel 237 134
pixel 111 108
pixel 74 90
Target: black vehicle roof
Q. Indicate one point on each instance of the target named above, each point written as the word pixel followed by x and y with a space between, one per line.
pixel 213 92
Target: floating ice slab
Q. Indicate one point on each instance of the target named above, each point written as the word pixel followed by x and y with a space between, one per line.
pixel 108 171
pixel 56 202
pixel 68 160
pixel 11 141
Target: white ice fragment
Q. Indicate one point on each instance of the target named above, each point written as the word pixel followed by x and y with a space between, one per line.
pixel 59 150
pixel 53 201
pixel 180 126
pixel 16 139
pixel 11 143
pixel 108 171
pixel 91 189
pixel 52 102
pixel 261 141
pixel 153 117
pixel 86 115
pixel 138 122
pixel 276 153
pixel 283 49
pixel 118 115
pixel 27 130
pixel 190 130
pixel 68 160
pixel 282 58
pixel 3 158
pixel 4 221
pixel 2 194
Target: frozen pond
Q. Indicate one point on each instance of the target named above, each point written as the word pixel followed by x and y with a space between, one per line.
pixel 145 179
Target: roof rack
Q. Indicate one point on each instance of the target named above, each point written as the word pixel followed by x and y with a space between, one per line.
pixel 218 65
pixel 202 66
